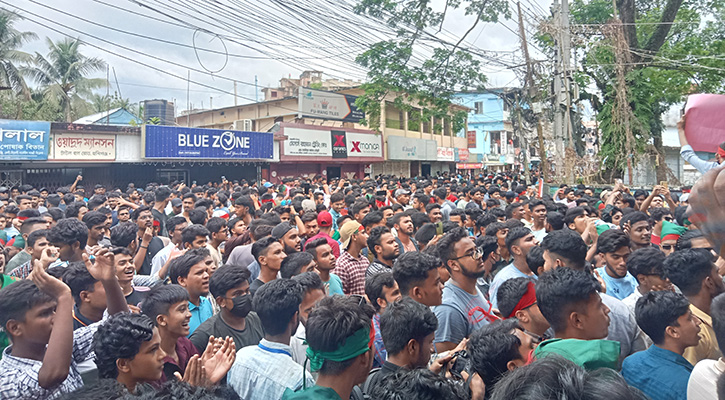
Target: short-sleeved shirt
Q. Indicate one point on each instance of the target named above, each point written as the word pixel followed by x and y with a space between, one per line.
pixel 707 347
pixel 461 313
pixel 702 384
pixel 137 296
pixel 333 286
pixel 380 354
pixel 155 246
pixel 351 271
pixel 199 313
pixel 661 374
pixel 619 288
pixel 215 326
pixel 508 272
pixel 184 351
pixel 19 376
pixel 332 242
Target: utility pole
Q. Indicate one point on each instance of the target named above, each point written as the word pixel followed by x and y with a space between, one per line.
pixel 544 163
pixel 562 115
pixel 235 93
pixel 256 90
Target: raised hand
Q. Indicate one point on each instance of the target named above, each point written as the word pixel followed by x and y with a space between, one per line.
pixel 194 374
pixel 221 360
pixel 49 256
pixel 48 284
pixel 104 267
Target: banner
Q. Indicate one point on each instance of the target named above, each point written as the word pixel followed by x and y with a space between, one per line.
pixel 471 137
pixel 364 145
pixel 463 154
pixel 404 148
pixel 327 105
pixel 469 165
pixel 83 147
pixel 339 144
pixel 307 142
pixel 24 140
pixel 705 124
pixel 174 142
pixel 446 154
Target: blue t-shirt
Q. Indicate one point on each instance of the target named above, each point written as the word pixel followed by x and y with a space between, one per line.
pixel 618 288
pixel 199 313
pixel 506 273
pixel 334 285
pixel 460 313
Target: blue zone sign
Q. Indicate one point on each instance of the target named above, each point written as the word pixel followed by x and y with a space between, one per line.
pixel 174 142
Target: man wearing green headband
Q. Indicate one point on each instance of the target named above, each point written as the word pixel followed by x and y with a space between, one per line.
pixel 340 339
pixel 669 235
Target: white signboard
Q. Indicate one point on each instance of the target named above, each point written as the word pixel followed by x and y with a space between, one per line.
pixel 446 154
pixel 307 142
pixel 82 147
pixel 364 145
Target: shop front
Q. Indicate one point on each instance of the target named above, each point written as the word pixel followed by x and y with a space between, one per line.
pixel 414 157
pixel 309 150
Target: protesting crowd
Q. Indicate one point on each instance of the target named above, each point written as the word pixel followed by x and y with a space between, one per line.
pixel 449 287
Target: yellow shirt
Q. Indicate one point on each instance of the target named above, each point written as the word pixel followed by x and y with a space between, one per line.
pixel 707 348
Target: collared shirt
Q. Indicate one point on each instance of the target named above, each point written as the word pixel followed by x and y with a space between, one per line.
pixel 661 374
pixel 380 353
pixel 216 254
pixel 79 320
pixel 160 259
pixel 199 313
pixel 184 351
pixel 707 347
pixel 688 154
pixel 335 215
pixel 376 267
pixel 19 376
pixel 703 379
pixel 352 273
pixel 508 272
pixel 23 271
pixel 264 371
pixel 631 300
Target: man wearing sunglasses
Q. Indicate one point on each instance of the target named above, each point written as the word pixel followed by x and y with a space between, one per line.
pixel 464 308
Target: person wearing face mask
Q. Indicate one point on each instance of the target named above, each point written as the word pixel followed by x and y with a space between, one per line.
pixel 230 287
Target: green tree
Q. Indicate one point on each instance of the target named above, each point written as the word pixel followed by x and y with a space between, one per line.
pixel 430 83
pixel 10 56
pixel 100 102
pixel 63 75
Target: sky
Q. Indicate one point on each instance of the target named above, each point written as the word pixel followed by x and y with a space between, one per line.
pixel 151 48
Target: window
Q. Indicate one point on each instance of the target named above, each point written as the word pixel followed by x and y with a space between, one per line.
pixel 478 107
pixel 447 126
pixel 414 120
pixel 273 93
pixel 426 126
pixel 495 142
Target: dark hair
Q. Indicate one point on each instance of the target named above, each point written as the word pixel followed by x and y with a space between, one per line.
pixel 17 299
pixel 656 310
pixel 405 320
pixel 612 240
pixel 411 269
pixel 685 240
pixel 53 200
pixel 312 245
pixel 515 234
pixel 331 322
pixel 535 203
pixel 227 277
pixel 431 206
pixel 510 293
pixel 634 217
pixel 688 268
pixel 374 287
pixel 124 234
pixel 173 222
pixel 572 214
pixel 658 213
pixel 198 216
pixel 259 248
pixel 180 266
pixel 359 205
pixel 425 233
pixel 535 259
pixel 419 219
pixel 458 212
pixel 492 347
pixel 372 218
pixel 566 244
pixel 137 212
pixel 191 232
pixel 162 193
pixel 56 213
pixel 446 244
pixel 309 281
pixel 78 279
pixel 94 218
pixel 646 261
pixel 562 290
pixel 511 208
pixel 215 224
pixel 159 299
pixel 493 228
pixel 69 231
pixel 35 235
pixel 120 336
pixel 293 263
pixel 72 210
pixel 555 219
pixel 244 201
pixel 337 196
pixel 276 302
pixel 419 384
pixel 121 250
pixel 554 377
pixel 375 238
pixel 422 198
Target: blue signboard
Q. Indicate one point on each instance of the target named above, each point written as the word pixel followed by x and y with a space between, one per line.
pixel 24 140
pixel 175 142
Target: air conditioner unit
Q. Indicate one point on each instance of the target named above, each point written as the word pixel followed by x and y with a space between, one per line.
pixel 243 125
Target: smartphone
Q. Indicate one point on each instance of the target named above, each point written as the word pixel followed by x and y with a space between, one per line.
pixel 665 184
pixel 439 228
pixel 224 178
pixel 381 193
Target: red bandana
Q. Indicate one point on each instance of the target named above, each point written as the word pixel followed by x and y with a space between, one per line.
pixel 527 300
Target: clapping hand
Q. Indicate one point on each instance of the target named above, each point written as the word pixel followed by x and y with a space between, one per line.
pixel 218 358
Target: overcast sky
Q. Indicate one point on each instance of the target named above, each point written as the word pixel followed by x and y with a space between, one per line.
pixel 265 39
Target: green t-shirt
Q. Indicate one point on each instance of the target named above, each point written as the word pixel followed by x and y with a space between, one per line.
pixel 312 393
pixel 590 354
pixel 6 281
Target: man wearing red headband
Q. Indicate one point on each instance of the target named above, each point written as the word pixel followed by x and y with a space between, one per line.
pixel 517 299
pixel 688 154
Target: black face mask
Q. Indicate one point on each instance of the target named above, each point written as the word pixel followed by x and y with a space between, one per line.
pixel 242 305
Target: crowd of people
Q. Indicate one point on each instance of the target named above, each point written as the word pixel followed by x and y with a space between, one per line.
pixel 390 288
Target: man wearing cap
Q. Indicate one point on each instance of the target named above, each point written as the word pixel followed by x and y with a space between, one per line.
pixel 688 154
pixel 352 265
pixel 402 196
pixel 324 221
pixel 669 235
pixel 288 235
pixel 176 207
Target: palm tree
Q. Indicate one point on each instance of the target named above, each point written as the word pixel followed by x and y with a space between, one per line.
pixel 63 75
pixel 10 41
pixel 100 102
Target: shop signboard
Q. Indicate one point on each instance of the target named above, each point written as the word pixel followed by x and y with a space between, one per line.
pixel 307 142
pixel 82 147
pixel 446 154
pixel 403 148
pixel 469 165
pixel 364 145
pixel 463 154
pixel 176 142
pixel 328 105
pixel 339 145
pixel 471 137
pixel 24 140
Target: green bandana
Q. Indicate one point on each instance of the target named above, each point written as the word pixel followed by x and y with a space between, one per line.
pixel 671 231
pixel 354 345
